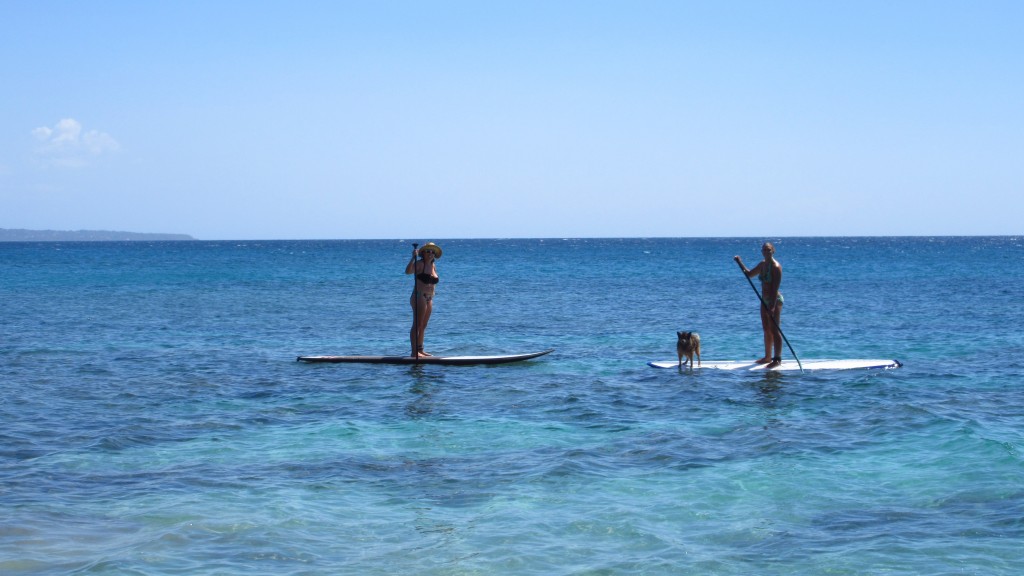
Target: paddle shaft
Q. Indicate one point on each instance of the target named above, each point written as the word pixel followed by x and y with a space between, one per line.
pixel 771 316
pixel 416 300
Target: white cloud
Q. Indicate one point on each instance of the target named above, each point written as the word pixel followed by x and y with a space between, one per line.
pixel 65 144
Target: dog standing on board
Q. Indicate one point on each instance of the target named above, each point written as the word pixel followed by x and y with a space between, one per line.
pixel 688 344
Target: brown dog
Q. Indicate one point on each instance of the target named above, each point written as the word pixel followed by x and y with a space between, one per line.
pixel 687 345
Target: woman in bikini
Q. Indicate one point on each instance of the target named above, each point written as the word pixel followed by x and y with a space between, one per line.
pixel 769 271
pixel 422 299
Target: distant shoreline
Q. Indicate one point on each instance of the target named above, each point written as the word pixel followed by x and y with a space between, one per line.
pixel 20 235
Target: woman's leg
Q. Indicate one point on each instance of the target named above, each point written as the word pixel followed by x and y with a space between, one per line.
pixel 426 306
pixel 414 333
pixel 767 329
pixel 777 332
pixel 419 325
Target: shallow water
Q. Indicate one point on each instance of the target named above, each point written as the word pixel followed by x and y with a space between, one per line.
pixel 154 420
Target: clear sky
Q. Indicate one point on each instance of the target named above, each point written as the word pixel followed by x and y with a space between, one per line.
pixel 421 120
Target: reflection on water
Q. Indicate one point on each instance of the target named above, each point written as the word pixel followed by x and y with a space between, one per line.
pixel 422 389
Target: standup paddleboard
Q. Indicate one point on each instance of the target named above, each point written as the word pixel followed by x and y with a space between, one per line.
pixel 444 360
pixel 787 365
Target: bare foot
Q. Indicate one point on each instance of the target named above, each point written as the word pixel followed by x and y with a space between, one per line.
pixel 774 364
pixel 764 360
pixel 425 354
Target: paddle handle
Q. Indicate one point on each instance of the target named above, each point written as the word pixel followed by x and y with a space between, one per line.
pixel 416 304
pixel 770 315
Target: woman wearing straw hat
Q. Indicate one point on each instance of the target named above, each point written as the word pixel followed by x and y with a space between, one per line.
pixel 422 299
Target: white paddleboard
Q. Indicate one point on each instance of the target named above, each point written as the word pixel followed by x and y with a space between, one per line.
pixel 787 365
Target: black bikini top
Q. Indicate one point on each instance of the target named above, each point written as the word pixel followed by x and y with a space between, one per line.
pixel 427 278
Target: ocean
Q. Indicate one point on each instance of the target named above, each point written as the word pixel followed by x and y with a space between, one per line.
pixel 153 419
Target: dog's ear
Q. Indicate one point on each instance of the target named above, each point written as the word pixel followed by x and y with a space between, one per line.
pixel 689 334
pixel 679 334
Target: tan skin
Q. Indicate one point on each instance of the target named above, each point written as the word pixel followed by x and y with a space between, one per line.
pixel 425 293
pixel 772 308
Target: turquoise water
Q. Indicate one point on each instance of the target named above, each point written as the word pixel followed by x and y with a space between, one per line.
pixel 154 421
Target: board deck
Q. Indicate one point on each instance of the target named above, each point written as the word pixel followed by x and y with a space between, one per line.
pixel 443 360
pixel 787 365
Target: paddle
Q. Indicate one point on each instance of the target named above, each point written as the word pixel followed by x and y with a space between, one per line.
pixel 416 300
pixel 770 316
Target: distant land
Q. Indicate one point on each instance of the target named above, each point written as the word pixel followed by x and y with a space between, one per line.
pixel 16 235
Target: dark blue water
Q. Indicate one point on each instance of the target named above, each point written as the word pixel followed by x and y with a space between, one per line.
pixel 153 419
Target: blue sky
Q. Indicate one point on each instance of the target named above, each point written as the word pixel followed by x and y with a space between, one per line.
pixel 261 120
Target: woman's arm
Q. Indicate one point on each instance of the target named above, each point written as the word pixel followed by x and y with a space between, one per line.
pixel 411 266
pixel 771 291
pixel 750 273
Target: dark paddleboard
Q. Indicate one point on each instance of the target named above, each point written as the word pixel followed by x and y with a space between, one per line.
pixel 444 360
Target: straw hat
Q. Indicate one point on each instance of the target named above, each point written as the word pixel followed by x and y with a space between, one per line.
pixel 431 247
